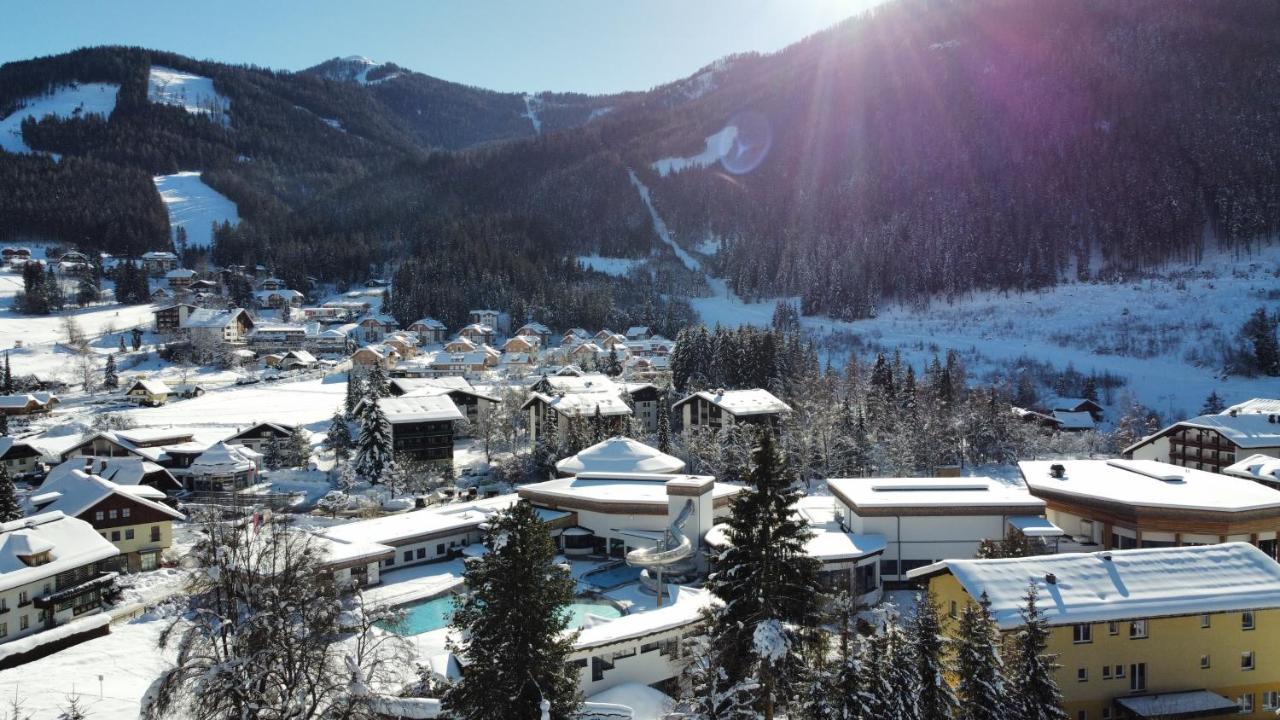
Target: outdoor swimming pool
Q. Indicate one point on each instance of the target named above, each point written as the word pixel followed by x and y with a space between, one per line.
pixel 433 614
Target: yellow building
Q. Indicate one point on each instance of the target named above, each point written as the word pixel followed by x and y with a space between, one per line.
pixel 1186 632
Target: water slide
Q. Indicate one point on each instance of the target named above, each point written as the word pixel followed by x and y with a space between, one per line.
pixel 674 548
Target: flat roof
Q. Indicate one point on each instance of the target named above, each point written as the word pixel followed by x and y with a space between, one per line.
pixel 1148 483
pixel 930 494
pixel 419 408
pixel 628 488
pixel 390 529
pixel 1121 584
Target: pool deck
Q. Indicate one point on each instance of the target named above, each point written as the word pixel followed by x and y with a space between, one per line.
pixel 400 587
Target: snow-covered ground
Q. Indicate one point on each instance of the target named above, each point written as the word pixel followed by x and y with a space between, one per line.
pixel 618 267
pixel 65 102
pixel 195 206
pixel 718 145
pixel 308 402
pixel 531 105
pixel 193 93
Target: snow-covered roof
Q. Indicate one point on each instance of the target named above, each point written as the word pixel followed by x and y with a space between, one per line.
pixel 584 404
pixel 71 543
pixel 619 488
pixel 392 529
pixel 222 458
pixel 159 255
pixel 1073 420
pixel 620 454
pixel 180 273
pixel 686 610
pixel 1069 403
pixel 301 356
pixel 277 328
pixel 742 402
pixel 1148 483
pixel 1185 704
pixel 419 408
pixel 432 323
pixel 1262 468
pixel 1121 584
pixel 1255 406
pixel 152 387
pixel 637 330
pixel 535 327
pixel 1246 430
pixel 449 382
pixel 282 292
pixel 962 495
pixel 8 443
pixel 208 318
pixel 78 491
pixel 379 318
pixel 120 470
pixel 21 401
pixel 337 551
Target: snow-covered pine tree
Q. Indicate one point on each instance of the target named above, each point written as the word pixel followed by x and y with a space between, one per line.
pixel 814 699
pixel 273 458
pixel 72 710
pixel 297 449
pixel 575 439
pixel 664 423
pixel 376 383
pixel 9 507
pixel 355 393
pixel 768 585
pixel 1032 689
pixel 597 426
pixel 981 690
pixel 899 673
pixel 110 378
pixel 847 676
pixel 1213 404
pixel 931 655
pixel 339 438
pixel 8 376
pixel 512 624
pixel 874 695
pixel 374 445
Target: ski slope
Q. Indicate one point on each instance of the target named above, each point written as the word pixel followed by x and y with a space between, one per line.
pixel 531 105
pixel 71 101
pixel 193 93
pixel 718 145
pixel 195 206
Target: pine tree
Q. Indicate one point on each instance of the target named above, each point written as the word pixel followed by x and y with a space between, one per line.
pixel 375 382
pixel 110 378
pixel 1032 689
pixel 122 345
pixel 664 423
pixel 512 624
pixel 374 445
pixel 8 376
pixel 297 450
pixel 930 652
pixel 273 458
pixel 768 585
pixel 597 427
pixel 72 710
pixel 4 424
pixel 1213 404
pixel 339 438
pixel 981 689
pixel 355 393
pixel 9 507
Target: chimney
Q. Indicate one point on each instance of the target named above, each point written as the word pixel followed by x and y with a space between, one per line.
pixel 1057 470
pixel 1051 579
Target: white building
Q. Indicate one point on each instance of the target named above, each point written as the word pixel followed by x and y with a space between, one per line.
pixel 620 454
pixel 721 408
pixel 1212 442
pixel 923 520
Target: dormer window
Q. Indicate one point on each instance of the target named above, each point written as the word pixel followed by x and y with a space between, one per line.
pixel 35 559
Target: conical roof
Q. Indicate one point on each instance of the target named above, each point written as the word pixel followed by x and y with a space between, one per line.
pixel 222 458
pixel 620 455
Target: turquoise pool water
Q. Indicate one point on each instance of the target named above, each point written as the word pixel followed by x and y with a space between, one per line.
pixel 427 615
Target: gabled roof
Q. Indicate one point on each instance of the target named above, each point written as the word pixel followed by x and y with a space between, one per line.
pixel 281 429
pixel 121 471
pixel 432 323
pixel 209 318
pixel 425 388
pixel 180 273
pixel 1121 584
pixel 152 387
pixel 742 402
pixel 301 356
pixel 1262 468
pixel 78 491
pixel 71 543
pixel 9 444
pixel 25 399
pixel 1246 430
pixel 1073 420
pixel 583 404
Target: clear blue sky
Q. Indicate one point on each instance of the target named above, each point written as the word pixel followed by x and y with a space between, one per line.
pixel 585 45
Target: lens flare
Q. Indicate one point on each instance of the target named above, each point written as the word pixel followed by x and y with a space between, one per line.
pixel 746 148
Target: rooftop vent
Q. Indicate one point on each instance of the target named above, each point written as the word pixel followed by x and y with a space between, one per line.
pixel 1051 579
pixel 1057 470
pixel 1105 556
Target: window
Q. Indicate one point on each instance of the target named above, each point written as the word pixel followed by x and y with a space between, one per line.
pixel 124 512
pixel 1271 700
pixel 4 629
pixel 1113 628
pixel 1082 674
pixel 150 561
pixel 1204 662
pixel 155 533
pixel 952 611
pixel 1106 672
pixel 1137 629
pixel 439 548
pixel 1246 660
pixel 1137 677
pixel 128 534
pixel 1246 620
pixel 1246 703
pixel 22 598
pixel 1204 620
pixel 111 514
pixel 115 536
pixel 97 515
pixel 1082 634
pixel 408 556
pixel 1082 715
pixel 1119 671
pixel 24 622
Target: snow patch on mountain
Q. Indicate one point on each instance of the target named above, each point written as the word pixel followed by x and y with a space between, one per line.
pixel 195 206
pixel 67 101
pixel 193 93
pixel 618 267
pixel 599 112
pixel 718 146
pixel 532 103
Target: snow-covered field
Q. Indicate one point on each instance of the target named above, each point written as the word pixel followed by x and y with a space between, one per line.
pixel 618 267
pixel 65 102
pixel 195 206
pixel 718 145
pixel 191 92
pixel 309 402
